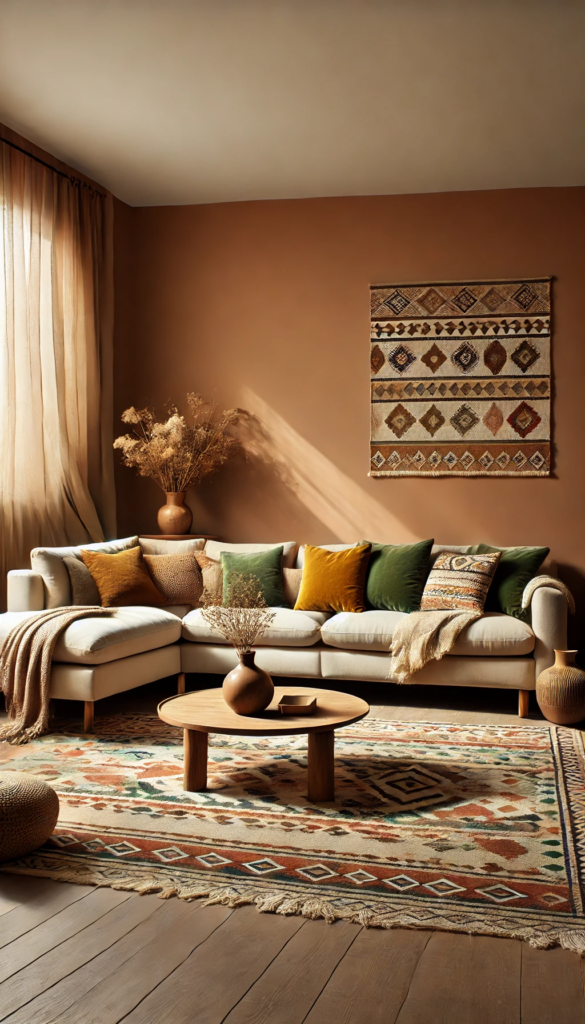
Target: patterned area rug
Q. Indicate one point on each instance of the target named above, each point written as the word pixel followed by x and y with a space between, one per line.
pixel 461 379
pixel 466 828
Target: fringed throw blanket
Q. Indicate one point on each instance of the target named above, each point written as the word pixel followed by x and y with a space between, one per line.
pixel 25 669
pixel 425 636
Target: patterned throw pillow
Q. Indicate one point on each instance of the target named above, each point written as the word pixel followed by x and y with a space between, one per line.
pixel 212 575
pixel 178 577
pixel 459 582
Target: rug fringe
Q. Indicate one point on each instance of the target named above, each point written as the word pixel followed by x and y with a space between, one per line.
pixel 314 908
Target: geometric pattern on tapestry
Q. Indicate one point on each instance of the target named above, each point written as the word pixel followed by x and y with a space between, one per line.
pixel 461 379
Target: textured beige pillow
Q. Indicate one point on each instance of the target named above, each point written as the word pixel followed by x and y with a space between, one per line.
pixel 178 577
pixel 83 587
pixel 291 584
pixel 212 575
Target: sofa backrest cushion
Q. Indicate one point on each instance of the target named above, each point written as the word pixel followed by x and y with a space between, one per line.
pixel 300 559
pixel 49 564
pixel 214 548
pixel 154 546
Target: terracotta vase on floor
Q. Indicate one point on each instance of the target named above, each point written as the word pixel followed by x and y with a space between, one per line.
pixel 175 517
pixel 247 689
pixel 560 690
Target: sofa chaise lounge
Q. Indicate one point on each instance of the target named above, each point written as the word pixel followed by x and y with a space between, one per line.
pixel 97 657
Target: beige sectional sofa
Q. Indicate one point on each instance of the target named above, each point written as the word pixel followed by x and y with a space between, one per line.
pixel 98 657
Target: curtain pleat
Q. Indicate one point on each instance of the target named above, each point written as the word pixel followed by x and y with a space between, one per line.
pixel 56 331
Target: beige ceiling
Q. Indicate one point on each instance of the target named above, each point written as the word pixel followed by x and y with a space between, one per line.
pixel 199 101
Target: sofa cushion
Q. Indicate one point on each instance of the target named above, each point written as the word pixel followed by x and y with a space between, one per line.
pixel 49 564
pixel 517 566
pixel 289 629
pixel 459 582
pixel 396 576
pixel 178 577
pixel 266 566
pixel 493 635
pixel 155 546
pixel 94 641
pixel 214 548
pixel 122 578
pixel 333 581
pixel 300 559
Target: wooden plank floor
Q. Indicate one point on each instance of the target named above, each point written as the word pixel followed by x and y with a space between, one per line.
pixel 76 955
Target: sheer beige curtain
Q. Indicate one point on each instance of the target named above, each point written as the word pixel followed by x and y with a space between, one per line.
pixel 56 325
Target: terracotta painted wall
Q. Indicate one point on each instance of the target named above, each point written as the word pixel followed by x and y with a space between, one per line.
pixel 265 305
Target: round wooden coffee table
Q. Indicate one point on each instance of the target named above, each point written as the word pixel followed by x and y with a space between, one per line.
pixel 204 711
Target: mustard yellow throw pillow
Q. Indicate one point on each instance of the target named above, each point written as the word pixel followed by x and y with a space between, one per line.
pixel 333 581
pixel 122 579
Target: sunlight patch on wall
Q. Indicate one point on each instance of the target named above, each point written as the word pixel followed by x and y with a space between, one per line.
pixel 334 498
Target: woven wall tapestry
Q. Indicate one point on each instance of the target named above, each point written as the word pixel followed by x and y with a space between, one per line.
pixel 461 379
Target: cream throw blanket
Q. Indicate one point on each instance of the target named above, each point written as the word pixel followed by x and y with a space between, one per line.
pixel 425 636
pixel 547 581
pixel 25 669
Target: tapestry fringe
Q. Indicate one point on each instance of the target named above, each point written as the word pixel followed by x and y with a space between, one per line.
pixel 311 907
pixel 450 472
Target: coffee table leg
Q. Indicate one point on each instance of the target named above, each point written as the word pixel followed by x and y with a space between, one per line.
pixel 195 760
pixel 321 766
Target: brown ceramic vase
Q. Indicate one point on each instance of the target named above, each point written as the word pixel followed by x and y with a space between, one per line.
pixel 560 690
pixel 247 689
pixel 175 517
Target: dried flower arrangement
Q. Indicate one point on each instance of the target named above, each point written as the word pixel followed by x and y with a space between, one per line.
pixel 178 454
pixel 245 615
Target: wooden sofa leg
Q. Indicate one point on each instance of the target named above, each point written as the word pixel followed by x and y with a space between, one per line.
pixel 181 683
pixel 88 716
pixel 523 700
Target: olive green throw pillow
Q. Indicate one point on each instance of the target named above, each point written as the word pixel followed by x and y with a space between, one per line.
pixel 517 566
pixel 266 565
pixel 396 576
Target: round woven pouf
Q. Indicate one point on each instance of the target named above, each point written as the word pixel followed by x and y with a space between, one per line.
pixel 29 809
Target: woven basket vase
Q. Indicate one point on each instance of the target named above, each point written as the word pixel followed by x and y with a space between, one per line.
pixel 560 690
pixel 29 809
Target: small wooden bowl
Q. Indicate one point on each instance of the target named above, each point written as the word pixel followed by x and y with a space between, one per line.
pixel 297 704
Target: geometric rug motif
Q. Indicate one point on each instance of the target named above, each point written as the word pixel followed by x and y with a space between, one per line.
pixel 461 379
pixel 477 829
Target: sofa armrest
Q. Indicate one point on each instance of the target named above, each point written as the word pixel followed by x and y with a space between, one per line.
pixel 26 592
pixel 549 624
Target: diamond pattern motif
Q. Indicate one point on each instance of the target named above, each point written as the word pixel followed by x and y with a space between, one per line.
pixel 465 357
pixel 495 357
pixel 397 302
pixel 501 893
pixel 432 420
pixel 377 359
pixel 524 419
pixel 464 420
pixel 401 358
pixel 434 358
pixel 525 356
pixel 400 420
pixel 431 301
pixel 317 872
pixel 263 866
pixel 464 300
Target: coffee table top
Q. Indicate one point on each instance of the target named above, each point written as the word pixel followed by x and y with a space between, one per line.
pixel 206 711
